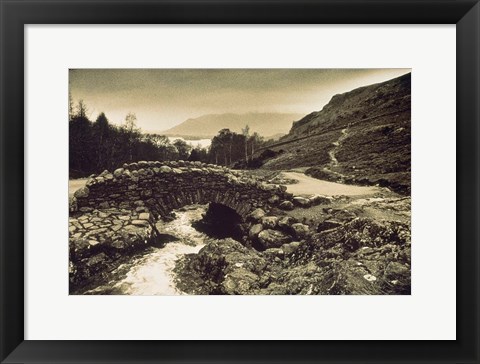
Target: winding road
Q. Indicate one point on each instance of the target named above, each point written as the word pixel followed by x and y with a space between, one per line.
pixel 310 186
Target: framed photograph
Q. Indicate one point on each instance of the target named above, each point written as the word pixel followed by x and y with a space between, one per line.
pixel 240 181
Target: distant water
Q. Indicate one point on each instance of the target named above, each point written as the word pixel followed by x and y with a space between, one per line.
pixel 204 143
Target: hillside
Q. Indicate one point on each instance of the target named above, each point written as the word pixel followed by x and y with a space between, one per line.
pixel 207 126
pixel 359 137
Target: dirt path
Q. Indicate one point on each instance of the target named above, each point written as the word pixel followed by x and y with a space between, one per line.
pixel 332 154
pixel 309 186
pixel 333 158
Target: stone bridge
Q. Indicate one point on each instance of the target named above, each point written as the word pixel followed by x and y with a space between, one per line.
pixel 115 213
pixel 161 187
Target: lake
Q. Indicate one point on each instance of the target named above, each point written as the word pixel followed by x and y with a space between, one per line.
pixel 204 143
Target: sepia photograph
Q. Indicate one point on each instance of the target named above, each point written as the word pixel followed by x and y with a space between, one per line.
pixel 239 182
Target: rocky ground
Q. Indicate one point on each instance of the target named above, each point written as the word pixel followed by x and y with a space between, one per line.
pixel 348 240
pixel 315 245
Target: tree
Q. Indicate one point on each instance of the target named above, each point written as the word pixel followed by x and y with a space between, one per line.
pixel 132 132
pixel 245 132
pixel 215 149
pixel 158 140
pixel 81 145
pixel 71 112
pixel 227 147
pixel 225 141
pixel 131 122
pixel 198 154
pixel 81 109
pixel 255 141
pixel 100 130
pixel 183 148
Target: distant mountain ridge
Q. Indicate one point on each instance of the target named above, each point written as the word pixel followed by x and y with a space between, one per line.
pixel 207 126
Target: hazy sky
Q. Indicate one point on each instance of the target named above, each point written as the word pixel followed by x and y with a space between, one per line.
pixel 162 98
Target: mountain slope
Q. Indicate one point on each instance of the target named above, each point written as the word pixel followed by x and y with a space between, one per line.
pixel 207 126
pixel 361 137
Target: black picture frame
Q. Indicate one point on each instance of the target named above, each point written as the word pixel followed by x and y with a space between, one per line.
pixel 16 13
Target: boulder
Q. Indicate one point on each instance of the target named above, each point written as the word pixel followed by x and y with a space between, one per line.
pixel 301 201
pixel 255 230
pixel 273 253
pixel 240 282
pixel 286 205
pixel 223 267
pixel 274 199
pixel 300 230
pixel 290 247
pixel 82 192
pixel 320 200
pixel 269 222
pixel 273 238
pixel 286 222
pixel 256 215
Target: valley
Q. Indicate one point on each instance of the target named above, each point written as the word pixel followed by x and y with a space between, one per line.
pixel 323 207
